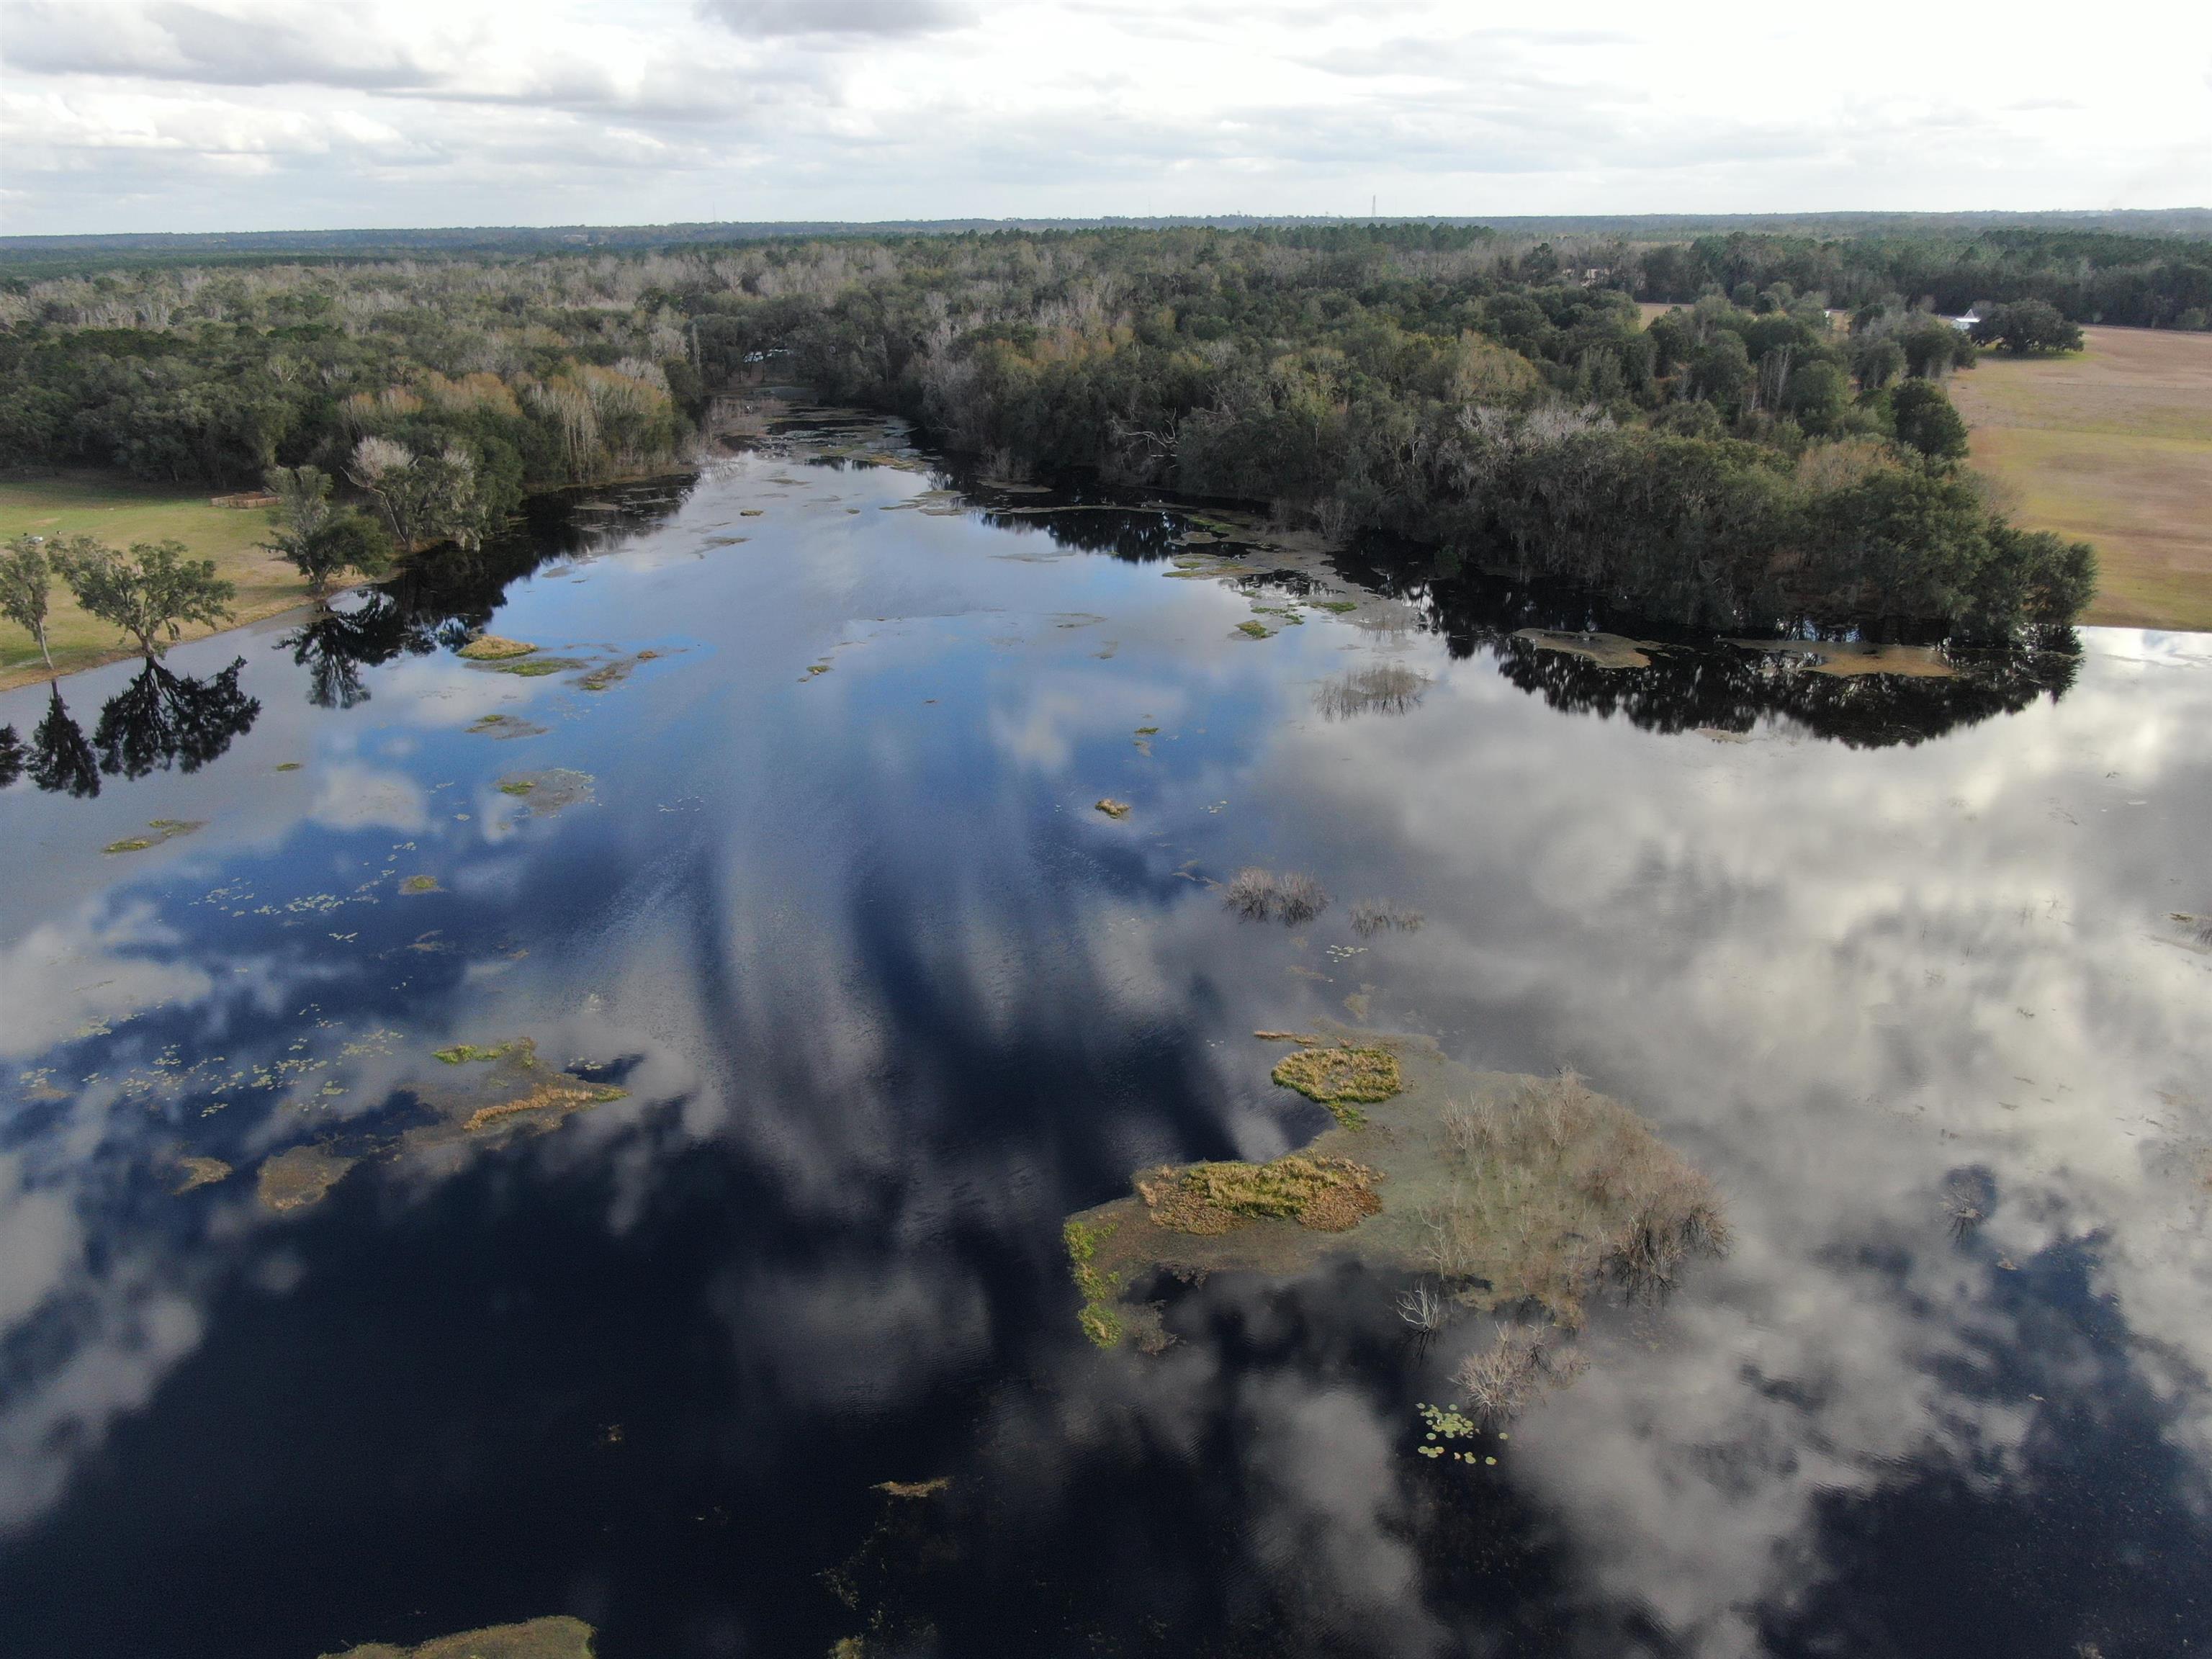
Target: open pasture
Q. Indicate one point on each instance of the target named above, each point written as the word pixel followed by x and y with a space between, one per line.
pixel 2112 445
pixel 119 512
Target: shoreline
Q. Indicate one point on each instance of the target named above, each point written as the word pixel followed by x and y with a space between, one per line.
pixel 81 661
pixel 36 672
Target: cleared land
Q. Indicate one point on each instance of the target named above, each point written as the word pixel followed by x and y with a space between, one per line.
pixel 119 512
pixel 2113 445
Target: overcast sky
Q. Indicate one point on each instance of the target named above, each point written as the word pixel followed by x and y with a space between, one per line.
pixel 241 115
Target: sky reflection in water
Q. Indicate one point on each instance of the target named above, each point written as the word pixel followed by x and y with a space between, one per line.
pixel 890 998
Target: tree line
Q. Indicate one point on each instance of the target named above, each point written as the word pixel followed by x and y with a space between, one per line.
pixel 2086 276
pixel 444 391
pixel 1746 460
pixel 1752 457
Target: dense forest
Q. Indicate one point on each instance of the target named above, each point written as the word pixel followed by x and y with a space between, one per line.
pixel 1778 450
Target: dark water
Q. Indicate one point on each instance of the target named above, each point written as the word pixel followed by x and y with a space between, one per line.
pixel 890 998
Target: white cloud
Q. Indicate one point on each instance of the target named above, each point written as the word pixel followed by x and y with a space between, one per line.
pixel 245 114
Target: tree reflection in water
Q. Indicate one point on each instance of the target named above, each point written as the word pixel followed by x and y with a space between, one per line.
pixel 1696 682
pixel 162 720
pixel 158 721
pixel 61 761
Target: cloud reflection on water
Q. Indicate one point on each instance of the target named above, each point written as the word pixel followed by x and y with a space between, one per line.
pixel 878 958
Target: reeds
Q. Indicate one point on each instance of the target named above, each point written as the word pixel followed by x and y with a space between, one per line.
pixel 1258 895
pixel 1373 916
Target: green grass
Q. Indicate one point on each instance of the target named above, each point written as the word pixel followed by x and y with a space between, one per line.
pixel 119 512
pixel 1100 1319
pixel 462 1054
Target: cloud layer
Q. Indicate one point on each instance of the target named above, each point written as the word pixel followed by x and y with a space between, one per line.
pixel 244 114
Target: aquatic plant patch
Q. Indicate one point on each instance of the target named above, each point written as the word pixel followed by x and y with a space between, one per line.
pixel 294 1180
pixel 1500 1190
pixel 1328 1194
pixel 157 831
pixel 490 647
pixel 1341 1079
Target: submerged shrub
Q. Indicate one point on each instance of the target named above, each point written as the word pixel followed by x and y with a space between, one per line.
pixel 1561 1189
pixel 1251 894
pixel 1504 1380
pixel 1373 916
pixel 1299 898
pixel 1258 895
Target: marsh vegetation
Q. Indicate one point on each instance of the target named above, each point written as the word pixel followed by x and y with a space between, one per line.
pixel 1501 1192
pixel 1258 895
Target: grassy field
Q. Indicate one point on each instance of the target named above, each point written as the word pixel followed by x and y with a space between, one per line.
pixel 2112 445
pixel 120 512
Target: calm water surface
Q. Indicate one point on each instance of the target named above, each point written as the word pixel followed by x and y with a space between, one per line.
pixel 890 998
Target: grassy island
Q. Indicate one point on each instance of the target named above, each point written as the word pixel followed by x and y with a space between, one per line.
pixel 1510 1192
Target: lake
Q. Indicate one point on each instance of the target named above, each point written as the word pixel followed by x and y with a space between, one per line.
pixel 793 989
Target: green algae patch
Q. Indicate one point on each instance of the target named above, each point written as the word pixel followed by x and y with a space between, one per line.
pixel 287 766
pixel 157 831
pixel 464 1054
pixel 506 728
pixel 531 668
pixel 1341 1079
pixel 1099 1317
pixel 414 886
pixel 1255 630
pixel 197 1172
pixel 536 1639
pixel 489 647
pixel 1112 808
pixel 1504 1191
pixel 301 1177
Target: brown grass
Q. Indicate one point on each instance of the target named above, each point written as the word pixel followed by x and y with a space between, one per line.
pixel 2112 446
pixel 542 1107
